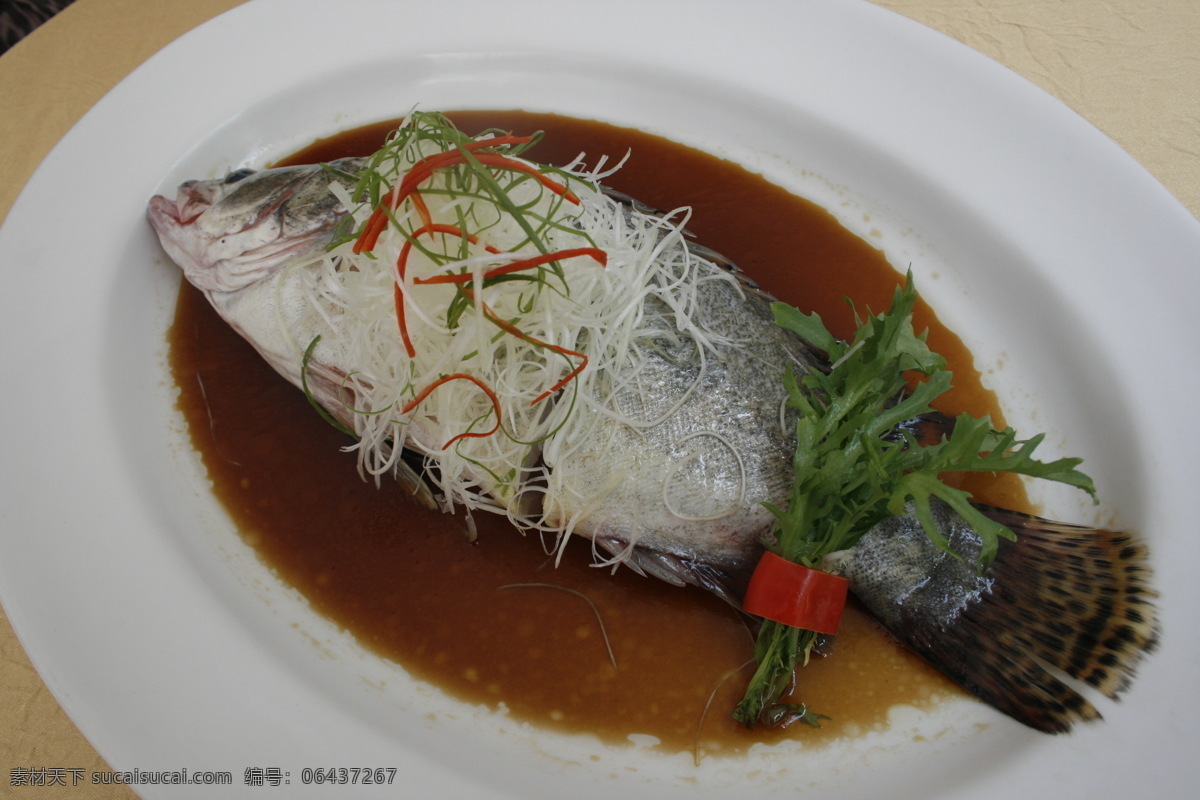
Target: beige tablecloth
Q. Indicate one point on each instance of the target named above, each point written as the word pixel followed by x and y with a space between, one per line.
pixel 1131 67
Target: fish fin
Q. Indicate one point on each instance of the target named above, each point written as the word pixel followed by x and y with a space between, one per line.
pixel 328 390
pixel 1062 602
pixel 676 569
pixel 1082 597
pixel 411 478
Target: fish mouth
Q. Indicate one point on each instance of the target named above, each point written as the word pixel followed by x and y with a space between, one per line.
pixel 164 214
pixel 192 199
pixel 170 225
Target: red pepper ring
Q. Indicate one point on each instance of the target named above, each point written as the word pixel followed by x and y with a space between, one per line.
pixel 796 595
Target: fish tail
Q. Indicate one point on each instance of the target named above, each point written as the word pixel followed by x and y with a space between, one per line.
pixel 1093 607
pixel 1074 599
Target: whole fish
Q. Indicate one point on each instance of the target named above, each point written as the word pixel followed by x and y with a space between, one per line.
pixel 673 481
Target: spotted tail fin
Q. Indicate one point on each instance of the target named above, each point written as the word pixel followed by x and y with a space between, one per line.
pixel 1061 597
pixel 1093 614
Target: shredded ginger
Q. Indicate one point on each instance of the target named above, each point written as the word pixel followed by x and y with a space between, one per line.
pixel 583 321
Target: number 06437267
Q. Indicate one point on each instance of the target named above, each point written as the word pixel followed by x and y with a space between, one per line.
pixel 348 775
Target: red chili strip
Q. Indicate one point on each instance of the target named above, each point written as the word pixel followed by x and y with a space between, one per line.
pixel 424 168
pixel 796 595
pixel 402 268
pixel 414 177
pixel 375 226
pixel 508 162
pixel 513 330
pixel 398 298
pixel 422 210
pixel 516 266
pixel 416 401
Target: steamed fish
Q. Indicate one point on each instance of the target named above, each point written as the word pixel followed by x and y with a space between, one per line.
pixel 567 357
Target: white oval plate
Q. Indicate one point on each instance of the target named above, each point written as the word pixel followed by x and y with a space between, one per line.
pixel 1068 270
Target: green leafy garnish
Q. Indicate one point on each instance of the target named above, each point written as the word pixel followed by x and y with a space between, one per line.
pixel 308 395
pixel 855 465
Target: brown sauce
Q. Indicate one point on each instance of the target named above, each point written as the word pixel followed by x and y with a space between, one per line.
pixel 408 584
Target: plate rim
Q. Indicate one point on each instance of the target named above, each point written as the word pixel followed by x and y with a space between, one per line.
pixel 68 688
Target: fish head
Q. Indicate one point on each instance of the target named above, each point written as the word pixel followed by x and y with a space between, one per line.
pixel 229 233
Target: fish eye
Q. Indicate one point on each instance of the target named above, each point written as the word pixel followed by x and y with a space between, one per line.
pixel 237 175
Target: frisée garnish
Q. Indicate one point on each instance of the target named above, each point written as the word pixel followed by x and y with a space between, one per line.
pixel 855 465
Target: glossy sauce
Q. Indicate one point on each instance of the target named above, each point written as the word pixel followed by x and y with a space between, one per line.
pixel 467 615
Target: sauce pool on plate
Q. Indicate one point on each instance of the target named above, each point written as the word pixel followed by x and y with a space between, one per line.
pixel 493 620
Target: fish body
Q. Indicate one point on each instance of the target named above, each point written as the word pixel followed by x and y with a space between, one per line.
pixel 686 438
